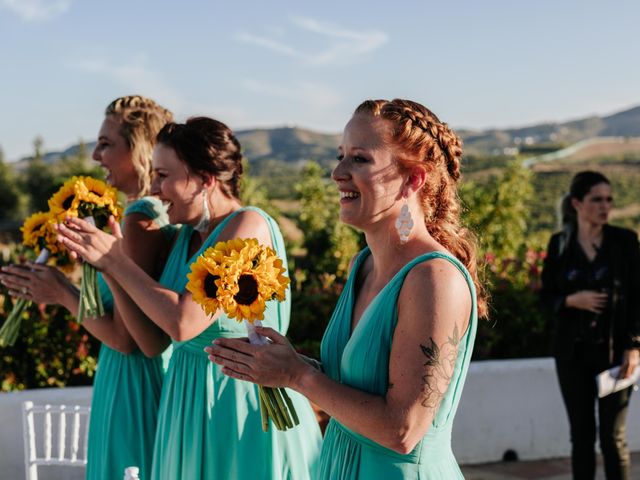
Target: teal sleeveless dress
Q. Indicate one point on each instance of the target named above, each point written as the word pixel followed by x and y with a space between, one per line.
pixel 361 360
pixel 126 392
pixel 209 424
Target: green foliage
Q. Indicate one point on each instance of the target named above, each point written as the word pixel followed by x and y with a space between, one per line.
pixel 41 180
pixel 276 178
pixel 320 273
pixel 518 326
pixel 10 195
pixel 329 244
pixel 498 210
pixel 52 350
pixel 478 162
pixel 254 194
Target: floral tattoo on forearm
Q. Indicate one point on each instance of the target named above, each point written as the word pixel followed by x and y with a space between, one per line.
pixel 441 362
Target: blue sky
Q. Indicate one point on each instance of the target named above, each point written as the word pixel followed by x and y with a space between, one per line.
pixel 477 64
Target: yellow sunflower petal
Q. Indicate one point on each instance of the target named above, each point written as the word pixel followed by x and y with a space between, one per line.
pixel 65 198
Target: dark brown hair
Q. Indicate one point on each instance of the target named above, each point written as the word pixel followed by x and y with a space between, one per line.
pixel 207 147
pixel 581 184
pixel 420 138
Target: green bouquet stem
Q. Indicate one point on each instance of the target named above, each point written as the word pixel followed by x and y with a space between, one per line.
pixel 90 304
pixel 11 327
pixel 275 403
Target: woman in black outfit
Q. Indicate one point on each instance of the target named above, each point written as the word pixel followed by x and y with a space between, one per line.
pixel 591 280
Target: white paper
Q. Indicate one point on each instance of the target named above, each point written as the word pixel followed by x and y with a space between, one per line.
pixel 608 381
pixel 254 337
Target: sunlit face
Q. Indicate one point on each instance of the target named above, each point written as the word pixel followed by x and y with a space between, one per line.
pixel 178 188
pixel 367 177
pixel 595 206
pixel 114 155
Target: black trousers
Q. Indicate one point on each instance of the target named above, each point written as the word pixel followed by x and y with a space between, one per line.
pixel 576 375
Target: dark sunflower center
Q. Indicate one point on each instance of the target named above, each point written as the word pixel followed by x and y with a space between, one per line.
pixel 210 287
pixel 68 201
pixel 248 290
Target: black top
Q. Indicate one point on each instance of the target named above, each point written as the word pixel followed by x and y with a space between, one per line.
pixel 616 271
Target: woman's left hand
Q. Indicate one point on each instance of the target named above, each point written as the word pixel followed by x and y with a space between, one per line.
pixel 274 365
pixel 35 282
pixel 630 360
pixel 92 244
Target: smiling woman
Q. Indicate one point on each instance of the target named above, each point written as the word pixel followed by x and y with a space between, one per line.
pixel 209 426
pixel 397 348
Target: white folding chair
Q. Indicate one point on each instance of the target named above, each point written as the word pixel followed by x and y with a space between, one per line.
pixel 40 422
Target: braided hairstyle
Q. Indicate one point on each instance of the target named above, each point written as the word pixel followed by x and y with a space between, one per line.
pixel 207 146
pixel 420 138
pixel 140 121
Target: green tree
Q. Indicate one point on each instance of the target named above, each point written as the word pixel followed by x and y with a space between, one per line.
pixel 9 192
pixel 498 210
pixel 329 244
pixel 254 193
pixel 38 180
pixel 319 273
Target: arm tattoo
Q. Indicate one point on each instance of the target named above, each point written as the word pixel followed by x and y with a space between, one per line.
pixel 441 361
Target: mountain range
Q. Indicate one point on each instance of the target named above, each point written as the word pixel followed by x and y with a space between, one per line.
pixel 294 146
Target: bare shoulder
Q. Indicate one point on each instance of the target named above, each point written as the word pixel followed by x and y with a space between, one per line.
pixel 139 229
pixel 247 224
pixel 436 292
pixel 139 222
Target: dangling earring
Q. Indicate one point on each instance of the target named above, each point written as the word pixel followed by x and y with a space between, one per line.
pixel 404 223
pixel 205 219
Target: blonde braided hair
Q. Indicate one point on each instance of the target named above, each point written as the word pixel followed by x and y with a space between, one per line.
pixel 141 119
pixel 420 138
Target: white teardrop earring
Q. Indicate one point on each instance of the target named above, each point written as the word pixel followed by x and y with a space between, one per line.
pixel 404 223
pixel 205 219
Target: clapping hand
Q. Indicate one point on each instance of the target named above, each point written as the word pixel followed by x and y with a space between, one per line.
pixel 35 282
pixel 89 242
pixel 274 365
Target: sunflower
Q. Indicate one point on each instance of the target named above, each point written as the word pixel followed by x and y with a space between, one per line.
pixel 253 276
pixel 204 283
pixel 64 201
pixel 96 199
pixel 239 276
pixel 35 229
pixel 98 187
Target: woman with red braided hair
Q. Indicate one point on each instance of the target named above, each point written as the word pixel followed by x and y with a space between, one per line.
pixel 397 349
pixel 126 389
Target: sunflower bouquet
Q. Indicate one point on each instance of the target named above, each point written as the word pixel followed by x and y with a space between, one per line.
pixel 38 233
pixel 240 276
pixel 94 201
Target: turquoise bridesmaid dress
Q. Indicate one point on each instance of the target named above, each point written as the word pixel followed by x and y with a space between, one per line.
pixel 209 424
pixel 126 392
pixel 361 360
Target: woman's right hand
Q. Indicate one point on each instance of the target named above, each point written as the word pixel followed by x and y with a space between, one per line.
pixel 589 300
pixel 273 365
pixel 95 246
